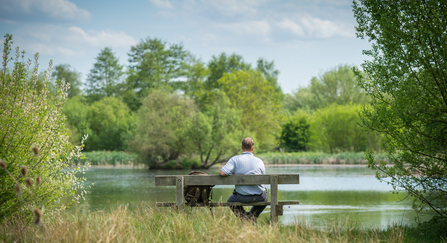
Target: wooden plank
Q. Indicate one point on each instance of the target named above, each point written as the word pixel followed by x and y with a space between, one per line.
pixel 179 193
pixel 273 199
pixel 226 204
pixel 170 180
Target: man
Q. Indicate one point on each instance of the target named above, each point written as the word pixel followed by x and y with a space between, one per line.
pixel 246 164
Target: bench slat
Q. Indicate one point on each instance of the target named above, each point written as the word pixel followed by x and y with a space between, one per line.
pixel 170 180
pixel 226 204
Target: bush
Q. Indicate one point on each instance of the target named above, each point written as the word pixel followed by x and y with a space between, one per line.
pixel 31 119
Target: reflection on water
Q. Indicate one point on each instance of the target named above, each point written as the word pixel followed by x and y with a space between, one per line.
pixel 327 194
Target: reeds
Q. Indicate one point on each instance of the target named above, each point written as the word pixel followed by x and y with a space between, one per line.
pixel 145 223
pixel 108 158
pixel 353 158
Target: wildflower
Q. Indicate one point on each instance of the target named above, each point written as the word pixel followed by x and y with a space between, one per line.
pixel 35 150
pixel 29 182
pixel 2 164
pixel 24 171
pixel 38 215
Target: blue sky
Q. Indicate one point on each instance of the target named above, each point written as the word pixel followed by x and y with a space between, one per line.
pixel 304 38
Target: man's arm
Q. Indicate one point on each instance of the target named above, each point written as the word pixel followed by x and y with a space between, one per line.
pixel 221 173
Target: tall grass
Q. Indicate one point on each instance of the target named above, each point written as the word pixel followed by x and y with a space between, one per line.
pixel 316 158
pixel 108 158
pixel 144 223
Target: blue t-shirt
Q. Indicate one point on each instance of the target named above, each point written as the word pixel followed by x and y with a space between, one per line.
pixel 246 164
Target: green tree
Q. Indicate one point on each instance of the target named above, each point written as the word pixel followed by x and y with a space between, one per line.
pixel 215 132
pixel 336 86
pixel 260 105
pixel 32 120
pixel 270 73
pixel 155 64
pixel 64 73
pixel 109 122
pixel 408 91
pixel 163 120
pixel 105 75
pixel 335 128
pixel 75 110
pixel 295 133
pixel 219 65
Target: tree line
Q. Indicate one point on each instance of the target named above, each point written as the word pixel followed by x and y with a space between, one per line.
pixel 169 106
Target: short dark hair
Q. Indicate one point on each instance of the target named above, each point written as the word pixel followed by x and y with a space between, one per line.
pixel 247 143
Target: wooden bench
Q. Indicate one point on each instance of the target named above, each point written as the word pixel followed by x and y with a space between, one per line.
pixel 181 181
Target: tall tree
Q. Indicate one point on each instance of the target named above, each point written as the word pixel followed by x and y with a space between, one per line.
pixel 270 73
pixel 64 73
pixel 260 105
pixel 408 89
pixel 219 65
pixel 104 76
pixel 155 64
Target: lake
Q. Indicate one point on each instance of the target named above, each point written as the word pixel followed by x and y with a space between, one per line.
pixel 327 194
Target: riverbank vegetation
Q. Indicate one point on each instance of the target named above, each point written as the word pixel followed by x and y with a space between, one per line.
pixel 144 223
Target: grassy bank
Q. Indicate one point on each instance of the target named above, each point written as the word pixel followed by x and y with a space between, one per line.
pixel 143 223
pixel 108 158
pixel 353 158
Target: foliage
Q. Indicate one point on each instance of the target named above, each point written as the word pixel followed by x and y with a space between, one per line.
pixel 215 132
pixel 295 132
pixel 335 128
pixel 144 223
pixel 222 64
pixel 109 121
pixel 161 130
pixel 259 104
pixel 32 120
pixel 107 158
pixel 104 77
pixel 64 73
pixel 409 94
pixel 155 64
pixel 317 158
pixel 270 73
pixel 335 86
pixel 75 110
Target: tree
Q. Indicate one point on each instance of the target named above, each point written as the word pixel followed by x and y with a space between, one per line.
pixel 219 65
pixel 35 152
pixel 270 73
pixel 335 128
pixel 408 91
pixel 109 122
pixel 104 76
pixel 260 105
pixel 75 110
pixel 295 133
pixel 163 120
pixel 215 132
pixel 64 73
pixel 337 85
pixel 155 64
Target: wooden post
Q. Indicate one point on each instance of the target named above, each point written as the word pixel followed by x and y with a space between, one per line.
pixel 273 199
pixel 179 192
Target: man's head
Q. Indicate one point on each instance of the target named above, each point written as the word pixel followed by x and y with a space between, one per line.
pixel 248 144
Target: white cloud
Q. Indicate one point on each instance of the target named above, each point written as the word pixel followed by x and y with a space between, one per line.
pixel 310 27
pixel 261 28
pixel 234 7
pixel 62 9
pixel 72 41
pixel 162 3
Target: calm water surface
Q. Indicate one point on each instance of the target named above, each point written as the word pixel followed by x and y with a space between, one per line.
pixel 327 194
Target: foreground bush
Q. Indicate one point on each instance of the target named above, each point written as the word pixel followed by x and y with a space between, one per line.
pixel 34 149
pixel 143 223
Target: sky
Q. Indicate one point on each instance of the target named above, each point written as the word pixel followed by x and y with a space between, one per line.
pixel 303 37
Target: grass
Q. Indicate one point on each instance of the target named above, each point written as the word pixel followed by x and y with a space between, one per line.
pixel 353 158
pixel 108 158
pixel 144 223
